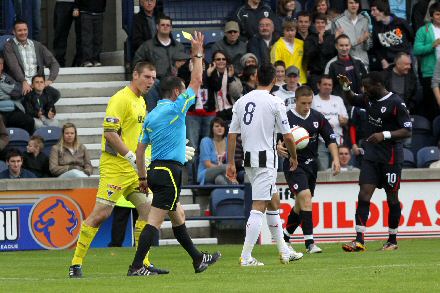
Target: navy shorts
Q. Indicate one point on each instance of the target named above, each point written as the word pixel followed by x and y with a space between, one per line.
pixel 382 175
pixel 301 179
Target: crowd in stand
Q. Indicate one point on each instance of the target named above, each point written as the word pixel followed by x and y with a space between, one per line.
pixel 309 41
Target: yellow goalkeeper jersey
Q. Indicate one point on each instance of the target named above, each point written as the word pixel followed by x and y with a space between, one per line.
pixel 125 115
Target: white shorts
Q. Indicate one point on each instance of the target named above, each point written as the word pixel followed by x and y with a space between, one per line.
pixel 262 181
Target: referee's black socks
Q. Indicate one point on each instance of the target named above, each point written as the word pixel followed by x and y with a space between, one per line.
pixel 393 220
pixel 307 227
pixel 185 240
pixel 149 233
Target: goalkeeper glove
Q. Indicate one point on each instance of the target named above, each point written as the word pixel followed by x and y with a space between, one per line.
pixel 131 158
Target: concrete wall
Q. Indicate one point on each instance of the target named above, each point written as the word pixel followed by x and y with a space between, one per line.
pixel 55 183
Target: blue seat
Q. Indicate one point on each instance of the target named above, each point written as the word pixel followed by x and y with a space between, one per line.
pixel 420 124
pixel 3 40
pixel 420 140
pixel 228 202
pixel 51 136
pixel 18 138
pixel 408 159
pixel 178 36
pixel 427 155
pixel 3 166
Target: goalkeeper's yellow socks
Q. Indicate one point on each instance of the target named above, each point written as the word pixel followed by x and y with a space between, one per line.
pixel 86 237
pixel 138 227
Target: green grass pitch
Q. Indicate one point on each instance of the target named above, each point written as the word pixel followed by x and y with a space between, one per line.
pixel 415 267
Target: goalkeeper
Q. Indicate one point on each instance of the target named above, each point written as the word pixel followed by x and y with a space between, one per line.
pixel 122 125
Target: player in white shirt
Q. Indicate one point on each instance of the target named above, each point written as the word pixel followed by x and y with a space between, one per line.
pixel 333 109
pixel 259 116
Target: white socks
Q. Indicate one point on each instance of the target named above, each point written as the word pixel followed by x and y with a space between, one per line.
pixel 276 229
pixel 253 228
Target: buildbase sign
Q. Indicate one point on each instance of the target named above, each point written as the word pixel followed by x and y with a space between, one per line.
pixel 334 206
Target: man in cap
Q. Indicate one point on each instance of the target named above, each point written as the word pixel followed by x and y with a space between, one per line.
pixel 231 44
pixel 287 91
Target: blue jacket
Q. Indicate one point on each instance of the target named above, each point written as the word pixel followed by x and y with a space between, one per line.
pixel 24 174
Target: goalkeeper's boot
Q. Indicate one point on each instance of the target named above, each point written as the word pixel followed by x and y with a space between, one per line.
pixel 142 271
pixel 75 271
pixel 390 246
pixel 313 248
pixel 354 246
pixel 206 260
pixel 250 262
pixel 157 270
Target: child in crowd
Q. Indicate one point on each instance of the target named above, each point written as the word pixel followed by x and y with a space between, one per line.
pixel 34 158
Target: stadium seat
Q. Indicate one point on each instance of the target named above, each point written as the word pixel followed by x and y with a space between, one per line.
pixel 228 202
pixel 420 140
pixel 420 124
pixel 208 13
pixel 3 40
pixel 408 159
pixel 51 136
pixel 211 37
pixel 427 155
pixel 18 138
pixel 3 166
pixel 436 128
pixel 178 36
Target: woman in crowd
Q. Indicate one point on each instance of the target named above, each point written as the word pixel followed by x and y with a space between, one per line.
pixel 223 85
pixel 212 164
pixel 69 158
pixel 287 10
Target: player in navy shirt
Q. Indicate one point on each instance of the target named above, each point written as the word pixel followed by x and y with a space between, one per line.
pixel 388 124
pixel 165 130
pixel 302 180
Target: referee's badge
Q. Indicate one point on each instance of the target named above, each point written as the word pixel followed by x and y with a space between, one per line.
pixel 383 109
pixel 110 193
pixel 316 124
pixel 266 14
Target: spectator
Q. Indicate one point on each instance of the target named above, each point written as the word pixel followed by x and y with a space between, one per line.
pixel 401 79
pixel 427 48
pixel 321 7
pixel 69 158
pixel 287 91
pixel 356 26
pixel 260 44
pixel 287 10
pixel 418 14
pixel 34 159
pixel 14 160
pixel 304 23
pixel 333 109
pixel 391 33
pixel 290 50
pixel 345 64
pixel 249 78
pixel 280 68
pixel 25 58
pixel 40 103
pixel 223 85
pixel 248 59
pixel 212 164
pixel 10 103
pixel 144 23
pixel 231 44
pixel 160 49
pixel 63 16
pixel 250 14
pixel 4 138
pixel 319 48
pixel 345 159
pixel 91 14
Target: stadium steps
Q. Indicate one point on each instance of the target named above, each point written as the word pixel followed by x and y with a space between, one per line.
pixel 90 74
pixel 89 89
pixel 196 229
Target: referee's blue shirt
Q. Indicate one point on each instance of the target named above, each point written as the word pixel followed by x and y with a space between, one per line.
pixel 165 128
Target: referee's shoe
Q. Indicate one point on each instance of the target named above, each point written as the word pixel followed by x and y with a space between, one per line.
pixel 142 271
pixel 206 260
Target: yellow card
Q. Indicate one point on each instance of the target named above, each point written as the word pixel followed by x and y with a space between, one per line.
pixel 186 35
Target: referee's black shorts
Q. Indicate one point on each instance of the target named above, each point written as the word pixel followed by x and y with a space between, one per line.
pixel 164 179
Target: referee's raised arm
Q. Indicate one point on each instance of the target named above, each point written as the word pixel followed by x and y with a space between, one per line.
pixel 197 58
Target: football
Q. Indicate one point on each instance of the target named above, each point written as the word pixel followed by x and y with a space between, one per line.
pixel 301 137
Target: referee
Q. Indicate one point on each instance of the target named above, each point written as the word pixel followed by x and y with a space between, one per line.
pixel 165 130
